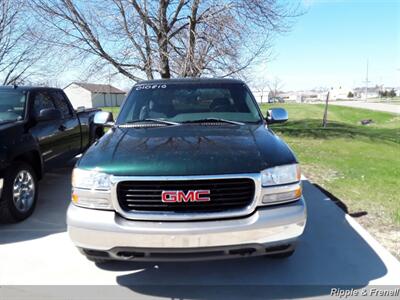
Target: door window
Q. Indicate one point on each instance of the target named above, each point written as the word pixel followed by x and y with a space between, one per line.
pixel 61 104
pixel 42 101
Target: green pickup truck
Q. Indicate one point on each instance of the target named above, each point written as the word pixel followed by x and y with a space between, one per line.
pixel 189 170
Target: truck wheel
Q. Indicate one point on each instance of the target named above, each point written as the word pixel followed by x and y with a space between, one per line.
pixel 20 192
pixel 96 133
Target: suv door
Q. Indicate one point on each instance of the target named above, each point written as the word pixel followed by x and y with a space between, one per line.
pixel 70 124
pixel 47 133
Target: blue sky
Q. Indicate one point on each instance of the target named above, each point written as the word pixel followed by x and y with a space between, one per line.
pixel 329 45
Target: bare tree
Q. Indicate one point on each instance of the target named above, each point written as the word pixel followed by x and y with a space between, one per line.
pixel 275 87
pixel 18 54
pixel 166 38
pixel 261 88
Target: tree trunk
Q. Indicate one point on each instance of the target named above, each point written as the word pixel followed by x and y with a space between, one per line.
pixel 190 65
pixel 149 61
pixel 162 40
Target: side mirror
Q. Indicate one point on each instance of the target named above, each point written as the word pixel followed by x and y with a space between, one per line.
pixel 49 114
pixel 104 118
pixel 277 115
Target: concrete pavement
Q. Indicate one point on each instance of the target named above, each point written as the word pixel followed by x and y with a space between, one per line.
pixel 334 251
pixel 385 107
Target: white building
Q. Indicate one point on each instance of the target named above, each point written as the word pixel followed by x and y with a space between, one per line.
pixel 373 92
pixel 90 95
pixel 289 96
pixel 337 93
pixel 261 95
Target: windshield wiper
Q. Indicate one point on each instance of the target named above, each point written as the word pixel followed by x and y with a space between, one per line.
pixel 153 120
pixel 214 120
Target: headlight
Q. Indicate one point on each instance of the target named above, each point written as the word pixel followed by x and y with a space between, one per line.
pixel 91 180
pixel 280 175
pixel 91 189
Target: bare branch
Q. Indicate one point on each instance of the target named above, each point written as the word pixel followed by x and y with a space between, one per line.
pixel 164 38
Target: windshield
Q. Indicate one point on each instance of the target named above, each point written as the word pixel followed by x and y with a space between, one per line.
pixel 189 102
pixel 12 105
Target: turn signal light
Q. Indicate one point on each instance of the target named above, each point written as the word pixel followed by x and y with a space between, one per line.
pixel 74 198
pixel 282 197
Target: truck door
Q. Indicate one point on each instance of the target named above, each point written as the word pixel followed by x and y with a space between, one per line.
pixel 70 126
pixel 47 133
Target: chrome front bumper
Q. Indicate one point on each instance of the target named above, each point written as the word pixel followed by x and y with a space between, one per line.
pixel 106 230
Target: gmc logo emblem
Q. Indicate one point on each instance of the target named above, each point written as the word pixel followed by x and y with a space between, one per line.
pixel 181 196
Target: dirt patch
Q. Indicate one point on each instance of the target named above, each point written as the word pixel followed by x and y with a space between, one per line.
pixel 380 225
pixel 387 234
pixel 320 174
pixel 377 223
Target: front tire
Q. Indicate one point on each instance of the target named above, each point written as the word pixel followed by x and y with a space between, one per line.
pixel 96 132
pixel 20 192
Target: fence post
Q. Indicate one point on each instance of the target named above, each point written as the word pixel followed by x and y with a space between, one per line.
pixel 325 118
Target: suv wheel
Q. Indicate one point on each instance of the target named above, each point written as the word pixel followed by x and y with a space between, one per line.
pixel 20 191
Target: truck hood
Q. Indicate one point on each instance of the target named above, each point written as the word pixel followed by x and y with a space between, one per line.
pixel 186 150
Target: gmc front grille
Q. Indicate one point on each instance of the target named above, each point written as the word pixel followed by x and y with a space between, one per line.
pixel 225 194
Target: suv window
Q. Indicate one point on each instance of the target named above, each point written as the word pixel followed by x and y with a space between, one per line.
pixel 61 104
pixel 41 101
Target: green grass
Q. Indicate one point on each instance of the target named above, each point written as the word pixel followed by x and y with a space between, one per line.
pixel 358 164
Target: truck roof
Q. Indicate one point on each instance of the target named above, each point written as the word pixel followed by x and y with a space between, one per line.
pixel 191 80
pixel 27 88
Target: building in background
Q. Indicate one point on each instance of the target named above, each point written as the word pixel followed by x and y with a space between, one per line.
pixel 317 95
pixel 290 96
pixel 373 92
pixel 261 94
pixel 90 95
pixel 340 93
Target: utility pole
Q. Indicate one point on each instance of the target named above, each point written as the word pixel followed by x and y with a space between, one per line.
pixel 366 83
pixel 109 87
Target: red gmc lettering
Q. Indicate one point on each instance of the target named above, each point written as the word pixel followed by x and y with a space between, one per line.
pixel 203 195
pixel 168 196
pixel 181 196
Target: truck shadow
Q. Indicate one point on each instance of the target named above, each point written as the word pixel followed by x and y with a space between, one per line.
pixel 49 215
pixel 330 254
